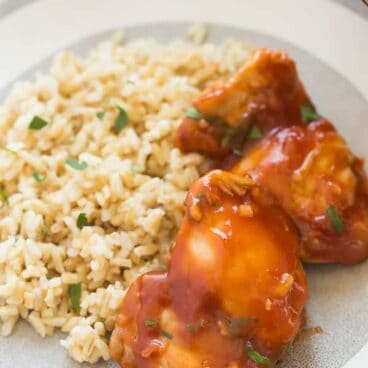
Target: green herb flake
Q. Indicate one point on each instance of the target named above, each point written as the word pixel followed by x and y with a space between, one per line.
pixel 191 329
pixel 237 152
pixel 100 115
pixel 82 220
pixel 336 221
pixel 167 334
pixel 37 123
pixel 257 357
pixel 193 113
pixel 6 149
pixel 75 291
pixel 236 324
pixel 137 168
pixel 76 165
pixel 309 113
pixel 150 322
pixel 4 197
pixel 121 121
pixel 38 177
pixel 45 230
pixel 254 133
pixel 288 348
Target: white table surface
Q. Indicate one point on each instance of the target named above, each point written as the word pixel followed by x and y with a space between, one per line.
pixel 326 29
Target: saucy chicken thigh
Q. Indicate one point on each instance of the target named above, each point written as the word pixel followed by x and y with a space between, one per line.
pixel 266 92
pixel 234 292
pixel 289 189
pixel 311 172
pixel 262 123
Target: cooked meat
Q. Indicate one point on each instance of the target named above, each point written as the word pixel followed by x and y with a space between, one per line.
pixel 317 180
pixel 234 292
pixel 297 156
pixel 266 92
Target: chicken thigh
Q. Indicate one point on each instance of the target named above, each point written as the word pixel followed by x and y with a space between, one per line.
pixel 266 92
pixel 235 290
pixel 290 151
pixel 311 172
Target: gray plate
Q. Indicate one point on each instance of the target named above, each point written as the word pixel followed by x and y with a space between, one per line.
pixel 338 295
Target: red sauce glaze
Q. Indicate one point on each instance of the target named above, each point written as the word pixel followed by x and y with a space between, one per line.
pixel 234 280
pixel 307 169
pixel 265 92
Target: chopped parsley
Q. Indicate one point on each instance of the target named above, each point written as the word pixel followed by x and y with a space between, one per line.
pixel 336 221
pixel 37 123
pixel 76 165
pixel 137 168
pixel 38 177
pixel 256 357
pixel 309 113
pixel 75 291
pixel 288 347
pixel 4 197
pixel 193 113
pixel 150 322
pixel 167 334
pixel 121 121
pixel 100 115
pixel 236 324
pixel 191 329
pixel 6 149
pixel 82 220
pixel 254 133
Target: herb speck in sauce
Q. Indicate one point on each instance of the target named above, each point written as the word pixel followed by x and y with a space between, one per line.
pixel 309 113
pixel 193 113
pixel 167 334
pixel 336 221
pixel 148 322
pixel 255 133
pixel 257 357
pixel 288 348
pixel 191 329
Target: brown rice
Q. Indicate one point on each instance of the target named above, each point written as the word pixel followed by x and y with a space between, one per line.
pixel 132 191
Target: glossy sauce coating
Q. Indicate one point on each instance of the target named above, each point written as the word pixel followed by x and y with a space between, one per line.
pixel 308 169
pixel 234 284
pixel 265 92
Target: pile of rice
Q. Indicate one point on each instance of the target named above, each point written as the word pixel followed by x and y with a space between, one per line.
pixel 132 191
